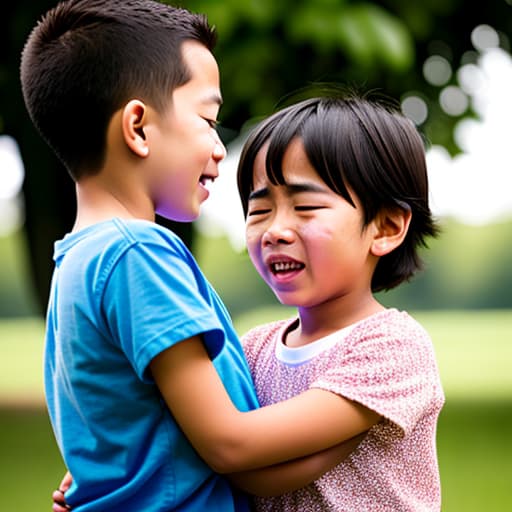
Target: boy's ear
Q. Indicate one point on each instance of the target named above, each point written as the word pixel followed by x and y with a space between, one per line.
pixel 391 229
pixel 133 121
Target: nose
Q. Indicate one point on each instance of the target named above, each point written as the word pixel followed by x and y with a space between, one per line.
pixel 219 150
pixel 278 232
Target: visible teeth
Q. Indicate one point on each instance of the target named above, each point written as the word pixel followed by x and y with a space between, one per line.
pixel 285 266
pixel 203 179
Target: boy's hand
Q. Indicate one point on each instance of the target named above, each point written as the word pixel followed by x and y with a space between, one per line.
pixel 59 501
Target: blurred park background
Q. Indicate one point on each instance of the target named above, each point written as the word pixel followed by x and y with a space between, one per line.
pixel 448 64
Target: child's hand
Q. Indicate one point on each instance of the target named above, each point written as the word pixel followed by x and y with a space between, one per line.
pixel 59 501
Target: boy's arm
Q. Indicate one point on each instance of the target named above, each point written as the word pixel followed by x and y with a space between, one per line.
pixel 232 441
pixel 271 481
pixel 290 476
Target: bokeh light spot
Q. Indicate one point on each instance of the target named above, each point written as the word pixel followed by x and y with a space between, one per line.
pixel 437 70
pixel 415 109
pixel 453 100
pixel 484 37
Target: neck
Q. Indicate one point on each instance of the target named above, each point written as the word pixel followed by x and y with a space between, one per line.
pixel 97 202
pixel 324 319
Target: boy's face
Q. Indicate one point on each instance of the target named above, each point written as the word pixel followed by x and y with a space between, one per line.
pixel 306 241
pixel 187 149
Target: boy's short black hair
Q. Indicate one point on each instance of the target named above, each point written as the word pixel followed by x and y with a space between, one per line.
pixel 86 58
pixel 362 144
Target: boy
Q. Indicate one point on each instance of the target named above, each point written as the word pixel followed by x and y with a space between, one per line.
pixel 127 95
pixel 137 140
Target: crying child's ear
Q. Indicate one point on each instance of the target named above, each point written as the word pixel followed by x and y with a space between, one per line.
pixel 391 229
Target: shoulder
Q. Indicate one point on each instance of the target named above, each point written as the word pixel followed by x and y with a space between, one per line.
pixel 117 251
pixel 395 342
pixel 151 249
pixel 392 325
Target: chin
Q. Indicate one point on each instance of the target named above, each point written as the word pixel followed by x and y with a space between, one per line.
pixel 178 216
pixel 295 301
pixel 285 301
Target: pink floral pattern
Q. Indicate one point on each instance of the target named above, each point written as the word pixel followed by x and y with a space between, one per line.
pixel 387 363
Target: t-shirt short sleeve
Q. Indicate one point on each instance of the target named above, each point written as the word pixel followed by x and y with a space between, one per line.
pixel 391 371
pixel 153 299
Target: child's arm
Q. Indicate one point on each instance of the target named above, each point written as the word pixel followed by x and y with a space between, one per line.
pixel 232 441
pixel 271 481
pixel 290 476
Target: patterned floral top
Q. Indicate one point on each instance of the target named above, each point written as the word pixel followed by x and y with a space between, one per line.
pixel 385 362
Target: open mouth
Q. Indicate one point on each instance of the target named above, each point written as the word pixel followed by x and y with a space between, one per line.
pixel 204 179
pixel 283 267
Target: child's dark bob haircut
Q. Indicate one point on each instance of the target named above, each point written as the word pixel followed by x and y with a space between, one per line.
pixel 85 59
pixel 359 144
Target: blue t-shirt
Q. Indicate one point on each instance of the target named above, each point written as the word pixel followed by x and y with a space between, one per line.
pixel 122 292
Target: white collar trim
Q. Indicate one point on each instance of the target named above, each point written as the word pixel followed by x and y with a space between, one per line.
pixel 295 356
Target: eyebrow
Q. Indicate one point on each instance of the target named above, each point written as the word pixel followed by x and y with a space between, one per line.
pixel 291 188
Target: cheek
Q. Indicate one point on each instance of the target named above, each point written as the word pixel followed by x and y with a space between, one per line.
pixel 192 146
pixel 326 243
pixel 252 237
pixel 318 232
pixel 253 244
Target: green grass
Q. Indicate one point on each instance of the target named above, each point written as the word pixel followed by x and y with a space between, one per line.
pixel 475 454
pixel 474 351
pixel 31 466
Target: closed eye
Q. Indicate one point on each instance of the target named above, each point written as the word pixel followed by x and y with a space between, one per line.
pixel 212 122
pixel 306 208
pixel 258 212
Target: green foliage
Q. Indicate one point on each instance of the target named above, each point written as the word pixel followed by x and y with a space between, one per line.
pixel 268 49
pixel 368 34
pixel 371 35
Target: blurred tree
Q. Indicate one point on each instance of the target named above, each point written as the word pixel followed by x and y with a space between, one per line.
pixel 267 49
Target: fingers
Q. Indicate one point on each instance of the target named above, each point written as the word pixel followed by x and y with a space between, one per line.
pixel 59 502
pixel 66 482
